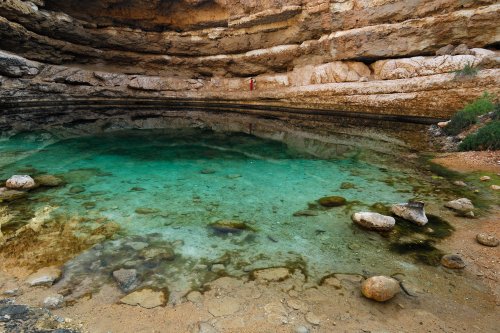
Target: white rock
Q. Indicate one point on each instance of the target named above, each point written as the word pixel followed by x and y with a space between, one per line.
pixel 374 221
pixel 443 124
pixel 495 187
pixel 462 205
pixel 485 178
pixel 44 276
pixel 412 211
pixel 20 182
pixel 53 302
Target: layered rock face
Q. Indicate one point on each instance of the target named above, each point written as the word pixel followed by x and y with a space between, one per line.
pixel 331 57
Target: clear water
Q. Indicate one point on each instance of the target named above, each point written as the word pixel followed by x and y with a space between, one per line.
pixel 165 188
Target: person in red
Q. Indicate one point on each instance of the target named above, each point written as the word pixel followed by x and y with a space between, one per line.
pixel 252 84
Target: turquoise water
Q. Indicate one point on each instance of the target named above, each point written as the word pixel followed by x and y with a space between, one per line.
pixel 164 188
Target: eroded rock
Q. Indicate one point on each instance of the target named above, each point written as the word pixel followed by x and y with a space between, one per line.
pixel 412 211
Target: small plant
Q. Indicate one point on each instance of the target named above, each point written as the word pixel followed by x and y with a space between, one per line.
pixel 486 138
pixel 496 112
pixel 467 71
pixel 468 115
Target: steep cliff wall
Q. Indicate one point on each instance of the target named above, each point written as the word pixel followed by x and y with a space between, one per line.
pixel 335 56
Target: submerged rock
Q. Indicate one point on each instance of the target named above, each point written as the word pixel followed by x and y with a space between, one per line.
pixel 347 186
pixel 412 211
pixel 332 201
pixel 126 278
pixel 45 276
pixel 146 298
pixel 48 180
pixel 453 261
pixel 374 221
pixel 146 211
pixel 271 274
pixel 76 189
pixel 463 205
pixel 306 212
pixel 380 288
pixel 207 171
pixel 229 226
pixel 20 182
pixel 11 195
pixel 487 239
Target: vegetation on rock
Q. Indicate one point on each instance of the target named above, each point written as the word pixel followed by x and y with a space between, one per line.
pixel 486 138
pixel 469 114
pixel 467 71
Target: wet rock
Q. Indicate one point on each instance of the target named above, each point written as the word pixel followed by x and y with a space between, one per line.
pixel 76 189
pixel 126 278
pixel 146 211
pixel 207 171
pixel 137 189
pixel 412 211
pixel 45 276
pixel 347 185
pixel 146 298
pixel 487 239
pixel 453 261
pixel 271 274
pixel 48 181
pixel 462 205
pixel 137 245
pixel 306 212
pixel 313 319
pixel 229 226
pixel 53 302
pixel 380 288
pixel 217 268
pixel 158 253
pixel 195 297
pixel 374 221
pixel 485 178
pixel 332 201
pixel 11 195
pixel 20 182
pixel 235 176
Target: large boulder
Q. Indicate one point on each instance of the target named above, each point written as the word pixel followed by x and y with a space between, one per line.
pixel 20 182
pixel 380 288
pixel 374 221
pixel 412 211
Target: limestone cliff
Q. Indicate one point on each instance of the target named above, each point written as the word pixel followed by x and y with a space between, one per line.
pixel 350 57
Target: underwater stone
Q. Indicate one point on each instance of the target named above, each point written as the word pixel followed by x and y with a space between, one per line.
pixel 207 171
pixel 462 205
pixel 306 212
pixel 486 239
pixel 217 268
pixel 76 189
pixel 48 180
pixel 333 201
pixel 146 298
pixel 271 274
pixel 374 221
pixel 53 302
pixel 412 211
pixel 159 253
pixel 453 261
pixel 11 195
pixel 20 182
pixel 44 276
pixel 380 288
pixel 347 185
pixel 146 211
pixel 126 278
pixel 229 226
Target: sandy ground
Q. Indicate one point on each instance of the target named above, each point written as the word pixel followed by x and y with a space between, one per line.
pixel 470 161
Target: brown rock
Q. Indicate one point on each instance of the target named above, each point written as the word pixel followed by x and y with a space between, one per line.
pixel 453 261
pixel 271 274
pixel 487 239
pixel 380 288
pixel 146 298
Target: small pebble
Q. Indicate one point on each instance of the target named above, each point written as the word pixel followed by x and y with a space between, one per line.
pixel 311 318
pixel 453 261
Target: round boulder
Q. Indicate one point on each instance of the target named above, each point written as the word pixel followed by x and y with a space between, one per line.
pixel 374 221
pixel 453 261
pixel 20 182
pixel 380 288
pixel 487 239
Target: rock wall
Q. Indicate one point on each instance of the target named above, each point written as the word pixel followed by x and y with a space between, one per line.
pixel 355 57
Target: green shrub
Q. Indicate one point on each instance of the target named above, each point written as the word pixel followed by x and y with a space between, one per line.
pixel 467 71
pixel 496 112
pixel 468 115
pixel 486 138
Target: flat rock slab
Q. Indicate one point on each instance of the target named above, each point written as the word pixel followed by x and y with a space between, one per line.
pixel 271 274
pixel 223 306
pixel 146 298
pixel 45 276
